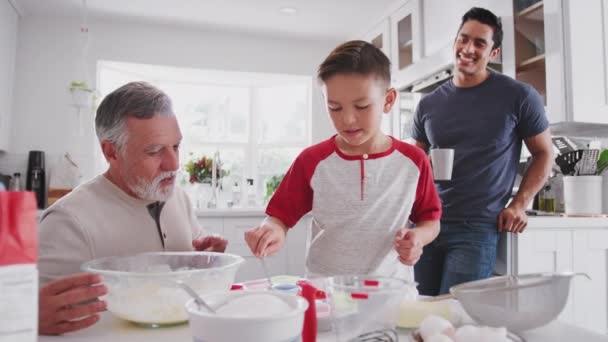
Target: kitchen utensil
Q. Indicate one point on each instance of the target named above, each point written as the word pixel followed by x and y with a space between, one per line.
pixel 588 163
pixel 361 304
pixel 197 299
pixel 583 195
pixel 266 274
pixel 251 324
pixel 567 161
pixel 562 145
pixel 516 302
pixel 142 288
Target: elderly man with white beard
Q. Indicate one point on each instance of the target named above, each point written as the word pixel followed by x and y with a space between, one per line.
pixel 132 208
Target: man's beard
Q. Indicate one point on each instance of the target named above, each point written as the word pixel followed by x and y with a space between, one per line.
pixel 152 191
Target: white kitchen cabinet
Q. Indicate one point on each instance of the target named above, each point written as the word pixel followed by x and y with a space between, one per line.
pixel 591 297
pixel 379 36
pixel 213 225
pixel 539 51
pixel 586 37
pixel 8 47
pixel 546 250
pixel 579 245
pixel 288 261
pixel 406 36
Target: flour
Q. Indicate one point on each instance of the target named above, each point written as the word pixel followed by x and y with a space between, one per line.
pixel 254 306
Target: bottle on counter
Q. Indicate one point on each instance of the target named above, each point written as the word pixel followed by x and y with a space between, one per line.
pixel 548 199
pixel 15 182
pixel 236 194
pixel 251 194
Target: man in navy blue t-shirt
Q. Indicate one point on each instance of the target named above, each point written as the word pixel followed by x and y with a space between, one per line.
pixel 483 116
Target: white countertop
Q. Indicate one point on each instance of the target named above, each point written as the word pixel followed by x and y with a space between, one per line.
pixel 231 212
pixel 116 330
pixel 567 222
pixel 533 221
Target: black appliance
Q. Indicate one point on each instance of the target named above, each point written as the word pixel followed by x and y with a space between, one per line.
pixel 36 177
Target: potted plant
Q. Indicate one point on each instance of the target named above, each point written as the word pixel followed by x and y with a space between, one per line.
pixel 272 184
pixel 602 162
pixel 200 170
pixel 602 170
pixel 81 94
pixel 200 175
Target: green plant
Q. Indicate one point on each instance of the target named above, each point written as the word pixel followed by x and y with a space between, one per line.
pixel 272 184
pixel 602 162
pixel 74 85
pixel 199 170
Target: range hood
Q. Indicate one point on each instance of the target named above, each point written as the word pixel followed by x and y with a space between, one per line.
pixel 579 129
pixel 427 73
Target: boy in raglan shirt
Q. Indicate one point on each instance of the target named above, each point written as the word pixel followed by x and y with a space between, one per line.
pixel 361 185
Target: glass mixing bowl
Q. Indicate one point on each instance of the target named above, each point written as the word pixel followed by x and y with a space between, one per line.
pixel 362 304
pixel 142 288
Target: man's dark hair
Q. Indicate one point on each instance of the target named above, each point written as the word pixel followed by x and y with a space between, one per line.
pixel 485 17
pixel 356 57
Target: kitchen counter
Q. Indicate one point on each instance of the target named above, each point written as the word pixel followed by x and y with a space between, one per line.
pixel 533 221
pixel 231 212
pixel 566 222
pixel 116 330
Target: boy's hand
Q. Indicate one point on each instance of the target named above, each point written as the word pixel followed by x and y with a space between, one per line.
pixel 408 245
pixel 267 238
pixel 210 243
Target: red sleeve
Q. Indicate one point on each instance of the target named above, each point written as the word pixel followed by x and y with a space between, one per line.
pixel 427 206
pixel 294 196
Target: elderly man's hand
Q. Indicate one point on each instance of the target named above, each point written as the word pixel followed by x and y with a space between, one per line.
pixel 211 243
pixel 70 304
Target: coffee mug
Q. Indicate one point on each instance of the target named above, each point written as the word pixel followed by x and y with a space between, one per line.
pixel 443 161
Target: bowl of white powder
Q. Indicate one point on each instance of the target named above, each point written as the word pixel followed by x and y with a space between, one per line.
pixel 252 316
pixel 142 288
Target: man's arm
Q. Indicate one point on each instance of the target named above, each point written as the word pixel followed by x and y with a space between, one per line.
pixel 62 245
pixel 513 218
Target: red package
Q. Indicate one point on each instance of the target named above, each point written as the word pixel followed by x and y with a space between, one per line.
pixel 18 228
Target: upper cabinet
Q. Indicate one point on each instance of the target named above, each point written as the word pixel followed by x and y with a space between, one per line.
pixel 406 36
pixel 586 29
pixel 539 52
pixel 379 36
pixel 8 47
pixel 559 48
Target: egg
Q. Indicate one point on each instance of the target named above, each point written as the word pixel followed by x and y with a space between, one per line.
pixel 470 333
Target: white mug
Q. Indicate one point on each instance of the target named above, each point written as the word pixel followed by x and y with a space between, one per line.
pixel 443 161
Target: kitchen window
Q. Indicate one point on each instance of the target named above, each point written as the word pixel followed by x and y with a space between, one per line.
pixel 259 122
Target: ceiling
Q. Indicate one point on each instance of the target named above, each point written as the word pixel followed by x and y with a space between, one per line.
pixel 314 19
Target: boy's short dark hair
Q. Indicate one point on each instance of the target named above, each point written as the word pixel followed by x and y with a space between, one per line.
pixel 356 57
pixel 485 17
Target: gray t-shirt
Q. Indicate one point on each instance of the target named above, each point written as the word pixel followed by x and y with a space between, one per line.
pixel 485 126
